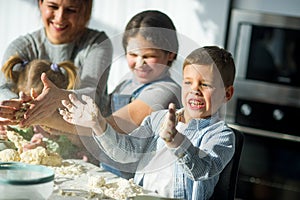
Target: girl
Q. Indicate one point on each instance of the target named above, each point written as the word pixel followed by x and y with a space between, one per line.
pixel 151 45
pixel 25 77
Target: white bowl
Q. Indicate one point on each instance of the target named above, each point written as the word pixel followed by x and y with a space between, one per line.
pixel 25 181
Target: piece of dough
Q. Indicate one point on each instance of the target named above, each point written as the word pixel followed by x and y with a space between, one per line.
pixel 9 155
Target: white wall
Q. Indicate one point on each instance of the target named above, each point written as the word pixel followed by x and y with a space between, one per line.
pixel 199 22
pixel 17 17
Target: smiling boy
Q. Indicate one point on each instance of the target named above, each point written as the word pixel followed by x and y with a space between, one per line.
pixel 180 153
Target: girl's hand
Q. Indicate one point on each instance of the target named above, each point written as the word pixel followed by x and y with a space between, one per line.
pixel 83 114
pixel 36 140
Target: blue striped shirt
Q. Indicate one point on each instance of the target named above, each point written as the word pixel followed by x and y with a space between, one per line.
pixel 207 147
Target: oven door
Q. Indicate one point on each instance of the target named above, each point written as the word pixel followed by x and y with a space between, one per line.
pixel 265 105
pixel 269 168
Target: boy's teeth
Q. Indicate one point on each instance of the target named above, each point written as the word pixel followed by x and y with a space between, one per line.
pixel 196 103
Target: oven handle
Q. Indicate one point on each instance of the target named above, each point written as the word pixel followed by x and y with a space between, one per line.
pixel 260 132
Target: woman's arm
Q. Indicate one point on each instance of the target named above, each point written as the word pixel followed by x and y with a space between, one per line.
pixel 45 104
pixel 94 61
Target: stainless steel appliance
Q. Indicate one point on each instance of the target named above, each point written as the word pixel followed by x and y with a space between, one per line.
pixel 266 103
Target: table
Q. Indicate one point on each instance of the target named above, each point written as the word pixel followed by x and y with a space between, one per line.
pixel 78 180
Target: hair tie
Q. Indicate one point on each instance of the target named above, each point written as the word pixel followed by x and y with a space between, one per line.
pixel 54 67
pixel 24 63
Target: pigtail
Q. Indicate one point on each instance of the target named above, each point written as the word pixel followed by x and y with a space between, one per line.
pixel 8 66
pixel 71 71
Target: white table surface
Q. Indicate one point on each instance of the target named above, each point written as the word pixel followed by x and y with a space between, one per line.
pixel 78 185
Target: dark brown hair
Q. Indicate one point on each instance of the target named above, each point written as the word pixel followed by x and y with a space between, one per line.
pixel 155 27
pixel 213 55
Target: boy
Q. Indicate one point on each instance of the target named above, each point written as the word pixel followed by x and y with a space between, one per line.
pixel 180 154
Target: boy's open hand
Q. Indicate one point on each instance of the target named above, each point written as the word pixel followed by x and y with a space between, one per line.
pixel 83 114
pixel 169 129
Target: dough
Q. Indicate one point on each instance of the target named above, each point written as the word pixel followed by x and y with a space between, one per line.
pixel 17 139
pixel 38 156
pixel 9 155
pixel 41 156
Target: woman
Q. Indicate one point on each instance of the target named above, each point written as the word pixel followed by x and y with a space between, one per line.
pixel 65 36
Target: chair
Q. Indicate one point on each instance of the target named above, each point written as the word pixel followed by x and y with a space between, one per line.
pixel 226 186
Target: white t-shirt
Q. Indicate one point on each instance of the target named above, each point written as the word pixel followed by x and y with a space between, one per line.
pixel 161 170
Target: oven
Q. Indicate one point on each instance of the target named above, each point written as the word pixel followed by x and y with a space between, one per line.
pixel 266 103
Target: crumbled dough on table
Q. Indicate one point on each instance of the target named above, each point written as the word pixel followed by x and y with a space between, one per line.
pixel 9 155
pixel 88 181
pixel 17 139
pixel 41 156
pixel 38 155
pixel 123 189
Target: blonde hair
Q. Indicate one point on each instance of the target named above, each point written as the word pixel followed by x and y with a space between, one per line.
pixel 29 75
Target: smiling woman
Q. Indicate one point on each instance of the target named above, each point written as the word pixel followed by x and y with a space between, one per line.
pixel 63 37
pixel 65 20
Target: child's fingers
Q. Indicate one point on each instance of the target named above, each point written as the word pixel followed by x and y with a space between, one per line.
pixel 168 135
pixel 172 112
pixel 65 103
pixel 74 100
pixel 172 107
pixel 92 107
pixel 170 131
pixel 68 105
pixel 86 98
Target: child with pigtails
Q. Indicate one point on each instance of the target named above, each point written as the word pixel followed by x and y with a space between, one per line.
pixel 24 78
pixel 27 77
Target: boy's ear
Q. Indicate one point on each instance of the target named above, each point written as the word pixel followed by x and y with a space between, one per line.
pixel 228 93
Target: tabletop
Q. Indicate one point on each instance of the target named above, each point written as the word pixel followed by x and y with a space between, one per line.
pixel 80 180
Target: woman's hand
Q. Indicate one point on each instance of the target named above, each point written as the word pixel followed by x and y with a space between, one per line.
pixel 12 111
pixel 84 114
pixel 8 110
pixel 45 104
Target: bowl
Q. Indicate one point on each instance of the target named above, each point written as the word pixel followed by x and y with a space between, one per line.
pixel 25 181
